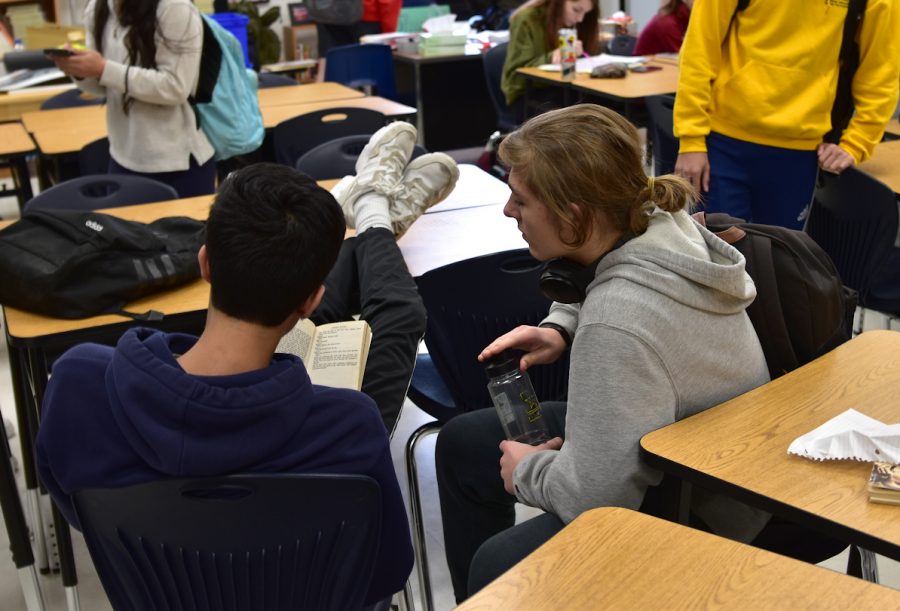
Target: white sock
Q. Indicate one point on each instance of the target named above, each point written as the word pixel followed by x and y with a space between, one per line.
pixel 371 210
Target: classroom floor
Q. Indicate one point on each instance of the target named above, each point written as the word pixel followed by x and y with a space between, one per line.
pixel 91 595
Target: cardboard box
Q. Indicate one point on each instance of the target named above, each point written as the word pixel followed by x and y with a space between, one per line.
pixel 50 35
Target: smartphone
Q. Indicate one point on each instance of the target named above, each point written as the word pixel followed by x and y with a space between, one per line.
pixel 54 52
pixel 645 68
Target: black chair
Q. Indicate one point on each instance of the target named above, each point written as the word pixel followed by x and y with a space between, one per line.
pixel 93 158
pixel 101 191
pixel 493 60
pixel 267 79
pixel 33 59
pixel 337 158
pixel 294 137
pixel 449 380
pixel 854 218
pixel 241 542
pixel 662 135
pixel 70 99
pixel 369 67
pixel 622 44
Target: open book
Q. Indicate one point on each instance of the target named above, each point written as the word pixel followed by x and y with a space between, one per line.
pixel 334 354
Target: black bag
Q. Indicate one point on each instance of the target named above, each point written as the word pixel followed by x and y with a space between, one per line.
pixel 73 264
pixel 801 310
pixel 335 12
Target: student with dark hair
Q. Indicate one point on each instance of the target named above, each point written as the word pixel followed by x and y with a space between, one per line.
pixel 661 334
pixel 164 405
pixel 143 56
pixel 665 30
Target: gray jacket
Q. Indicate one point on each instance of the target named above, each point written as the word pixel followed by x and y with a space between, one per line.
pixel 662 335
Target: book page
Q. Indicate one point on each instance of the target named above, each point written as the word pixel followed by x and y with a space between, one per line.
pixel 338 355
pixel 298 341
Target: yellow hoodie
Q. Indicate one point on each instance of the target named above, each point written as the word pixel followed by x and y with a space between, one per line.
pixel 770 76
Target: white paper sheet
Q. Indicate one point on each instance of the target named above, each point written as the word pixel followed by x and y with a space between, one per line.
pixel 850 435
pixel 586 64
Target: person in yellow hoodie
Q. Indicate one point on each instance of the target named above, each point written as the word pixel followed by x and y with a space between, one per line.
pixel 755 96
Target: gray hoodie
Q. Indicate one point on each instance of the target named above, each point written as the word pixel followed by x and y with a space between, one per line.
pixel 662 335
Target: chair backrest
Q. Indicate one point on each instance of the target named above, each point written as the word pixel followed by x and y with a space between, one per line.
pixel 294 137
pixel 622 44
pixel 93 158
pixel 665 144
pixel 361 66
pixel 267 79
pixel 493 61
pixel 33 59
pixel 242 542
pixel 337 158
pixel 101 191
pixel 470 303
pixel 854 217
pixel 70 99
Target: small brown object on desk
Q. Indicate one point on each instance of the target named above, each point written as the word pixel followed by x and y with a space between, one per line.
pixel 614 558
pixel 741 445
pixel 884 164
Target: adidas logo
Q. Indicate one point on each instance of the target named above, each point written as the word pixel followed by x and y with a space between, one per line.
pixel 93 225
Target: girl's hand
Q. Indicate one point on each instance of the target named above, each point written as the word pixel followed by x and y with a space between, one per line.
pixel 514 452
pixel 541 344
pixel 83 64
pixel 579 48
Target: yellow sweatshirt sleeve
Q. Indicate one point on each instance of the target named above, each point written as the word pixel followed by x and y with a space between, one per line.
pixel 877 80
pixel 701 59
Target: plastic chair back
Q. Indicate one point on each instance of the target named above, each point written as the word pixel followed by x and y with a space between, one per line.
pixel 854 218
pixel 101 191
pixel 70 99
pixel 93 158
pixel 362 66
pixel 494 59
pixel 337 158
pixel 294 137
pixel 32 59
pixel 267 79
pixel 665 144
pixel 242 542
pixel 462 320
pixel 623 44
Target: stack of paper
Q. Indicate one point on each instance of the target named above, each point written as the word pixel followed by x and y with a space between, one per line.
pixel 442 43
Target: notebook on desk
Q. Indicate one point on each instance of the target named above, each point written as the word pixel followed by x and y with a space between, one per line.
pixel 20 79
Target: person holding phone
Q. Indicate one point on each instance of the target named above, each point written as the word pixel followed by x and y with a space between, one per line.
pixel 534 40
pixel 143 56
pixel 661 334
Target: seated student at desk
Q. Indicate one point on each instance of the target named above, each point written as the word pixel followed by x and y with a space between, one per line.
pixel 165 405
pixel 661 333
pixel 534 40
pixel 665 31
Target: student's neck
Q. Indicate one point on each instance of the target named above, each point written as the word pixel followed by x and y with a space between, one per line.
pixel 229 346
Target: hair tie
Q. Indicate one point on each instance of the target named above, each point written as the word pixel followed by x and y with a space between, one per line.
pixel 651 184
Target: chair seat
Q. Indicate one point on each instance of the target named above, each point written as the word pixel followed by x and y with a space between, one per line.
pixel 428 391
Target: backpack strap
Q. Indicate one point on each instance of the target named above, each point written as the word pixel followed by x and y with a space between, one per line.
pixel 848 60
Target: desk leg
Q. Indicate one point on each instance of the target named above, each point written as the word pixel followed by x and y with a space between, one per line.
pixel 420 104
pixel 23 181
pixel 862 563
pixel 675 497
pixel 66 560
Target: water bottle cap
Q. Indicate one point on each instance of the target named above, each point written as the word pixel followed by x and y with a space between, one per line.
pixel 505 362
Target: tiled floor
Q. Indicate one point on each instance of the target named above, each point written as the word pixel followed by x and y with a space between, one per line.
pixel 92 597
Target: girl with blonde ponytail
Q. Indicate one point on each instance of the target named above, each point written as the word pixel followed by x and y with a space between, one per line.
pixel 660 334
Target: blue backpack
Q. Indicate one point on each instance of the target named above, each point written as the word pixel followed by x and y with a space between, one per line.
pixel 226 105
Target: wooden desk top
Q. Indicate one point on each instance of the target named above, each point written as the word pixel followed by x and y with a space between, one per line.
pixel 635 85
pixel 614 558
pixel 893 127
pixel 306 94
pixel 71 137
pixel 14 140
pixel 741 445
pixel 884 164
pixel 15 103
pixel 273 115
pixel 63 118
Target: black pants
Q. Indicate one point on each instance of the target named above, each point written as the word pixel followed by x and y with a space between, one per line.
pixel 370 278
pixel 477 513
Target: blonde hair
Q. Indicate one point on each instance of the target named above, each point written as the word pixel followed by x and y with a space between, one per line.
pixel 591 156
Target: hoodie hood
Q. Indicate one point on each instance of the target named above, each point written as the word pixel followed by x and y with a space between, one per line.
pixel 674 249
pixel 192 425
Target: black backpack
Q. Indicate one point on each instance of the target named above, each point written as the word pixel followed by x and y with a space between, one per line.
pixel 801 310
pixel 73 264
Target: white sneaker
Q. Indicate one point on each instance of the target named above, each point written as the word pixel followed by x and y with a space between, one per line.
pixel 427 180
pixel 380 165
pixel 339 193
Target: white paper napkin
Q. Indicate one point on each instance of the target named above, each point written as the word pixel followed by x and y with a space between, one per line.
pixel 850 435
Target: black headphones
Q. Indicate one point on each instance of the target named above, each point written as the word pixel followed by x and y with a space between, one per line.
pixel 566 281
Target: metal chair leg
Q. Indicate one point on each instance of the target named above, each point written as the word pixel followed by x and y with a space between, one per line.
pixel 405 598
pixel 415 504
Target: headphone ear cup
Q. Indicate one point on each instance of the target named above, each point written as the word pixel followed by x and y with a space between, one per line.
pixel 564 281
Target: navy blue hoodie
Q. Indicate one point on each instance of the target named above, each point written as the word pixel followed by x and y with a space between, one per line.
pixel 115 417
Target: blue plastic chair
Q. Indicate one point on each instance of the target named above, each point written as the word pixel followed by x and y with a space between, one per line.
pixel 337 158
pixel 93 158
pixel 494 59
pixel 623 44
pixel 242 542
pixel 70 99
pixel 362 66
pixel 294 137
pixel 101 191
pixel 449 380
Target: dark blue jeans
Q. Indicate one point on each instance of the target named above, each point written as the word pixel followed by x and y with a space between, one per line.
pixel 758 183
pixel 196 180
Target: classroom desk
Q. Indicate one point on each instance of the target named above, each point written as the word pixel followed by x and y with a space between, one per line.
pixel 15 103
pixel 442 236
pixel 884 164
pixel 15 144
pixel 893 128
pixel 306 94
pixel 739 448
pixel 273 115
pixel 614 558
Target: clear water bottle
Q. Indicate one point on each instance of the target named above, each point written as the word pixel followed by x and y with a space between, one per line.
pixel 515 400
